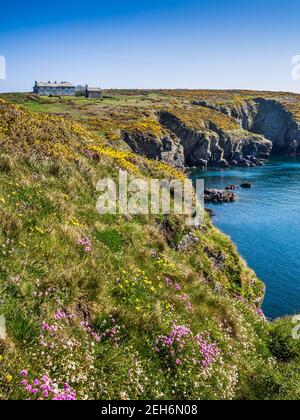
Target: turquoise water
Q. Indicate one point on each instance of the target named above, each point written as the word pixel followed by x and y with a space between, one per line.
pixel 264 224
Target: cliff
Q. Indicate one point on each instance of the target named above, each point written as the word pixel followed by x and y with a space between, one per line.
pixel 189 128
pixel 200 141
pixel 272 118
pixel 215 146
pixel 167 148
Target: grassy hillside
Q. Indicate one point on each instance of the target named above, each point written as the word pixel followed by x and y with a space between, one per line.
pixel 105 307
pixel 136 110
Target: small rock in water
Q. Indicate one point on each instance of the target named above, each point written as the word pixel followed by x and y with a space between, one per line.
pixel 231 188
pixel 246 185
pixel 219 196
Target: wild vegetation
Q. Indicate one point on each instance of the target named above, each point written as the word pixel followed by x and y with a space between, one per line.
pixel 105 306
pixel 201 118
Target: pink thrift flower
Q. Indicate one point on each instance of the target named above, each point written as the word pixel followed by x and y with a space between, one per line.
pixel 86 244
pixel 66 387
pixel 168 281
pixel 28 388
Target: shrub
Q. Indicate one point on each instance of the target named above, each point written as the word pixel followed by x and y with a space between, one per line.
pixel 282 344
pixel 6 163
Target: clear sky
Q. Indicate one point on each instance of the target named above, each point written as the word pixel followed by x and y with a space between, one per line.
pixel 152 43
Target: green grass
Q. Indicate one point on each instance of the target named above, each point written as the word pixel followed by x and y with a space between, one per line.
pixel 128 289
pixel 111 238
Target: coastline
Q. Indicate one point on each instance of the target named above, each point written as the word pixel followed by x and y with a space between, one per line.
pixel 238 220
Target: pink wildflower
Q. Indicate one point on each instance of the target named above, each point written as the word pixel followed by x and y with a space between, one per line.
pixel 86 244
pixel 168 281
pixel 28 388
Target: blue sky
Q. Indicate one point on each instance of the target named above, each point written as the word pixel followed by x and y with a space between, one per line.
pixel 222 44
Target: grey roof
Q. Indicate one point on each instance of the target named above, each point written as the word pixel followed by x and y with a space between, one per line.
pixel 94 89
pixel 54 85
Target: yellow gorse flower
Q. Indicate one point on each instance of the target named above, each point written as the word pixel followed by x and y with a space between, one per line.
pixel 40 230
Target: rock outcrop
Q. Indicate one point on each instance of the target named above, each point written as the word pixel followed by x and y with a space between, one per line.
pixel 183 146
pixel 210 212
pixel 166 149
pixel 219 196
pixel 187 242
pixel 267 117
pixel 246 185
pixel 231 188
pixel 277 124
pixel 217 147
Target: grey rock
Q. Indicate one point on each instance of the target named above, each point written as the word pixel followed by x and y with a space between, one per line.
pixel 219 196
pixel 210 212
pixel 187 242
pixel 218 288
pixel 246 185
pixel 165 149
pixel 258 301
pixel 2 328
pixel 231 188
pixel 216 257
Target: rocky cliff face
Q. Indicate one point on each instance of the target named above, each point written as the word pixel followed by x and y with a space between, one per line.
pixel 267 117
pixel 188 145
pixel 217 147
pixel 278 125
pixel 166 149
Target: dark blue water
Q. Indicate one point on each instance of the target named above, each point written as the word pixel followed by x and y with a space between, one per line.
pixel 264 224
